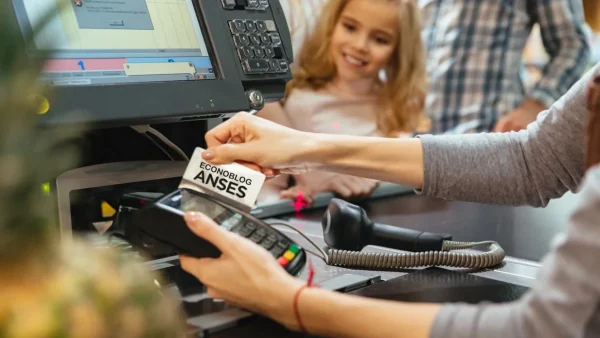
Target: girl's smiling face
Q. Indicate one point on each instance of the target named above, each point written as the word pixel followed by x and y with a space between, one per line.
pixel 364 38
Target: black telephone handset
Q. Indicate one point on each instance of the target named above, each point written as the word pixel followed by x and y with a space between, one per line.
pixel 347 230
pixel 163 221
pixel 347 227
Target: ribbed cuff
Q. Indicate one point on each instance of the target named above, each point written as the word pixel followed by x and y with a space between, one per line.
pixel 428 143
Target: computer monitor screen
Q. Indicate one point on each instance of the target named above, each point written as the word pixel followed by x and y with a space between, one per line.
pixel 107 42
pixel 116 63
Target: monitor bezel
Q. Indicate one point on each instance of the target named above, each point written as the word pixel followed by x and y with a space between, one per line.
pixel 156 102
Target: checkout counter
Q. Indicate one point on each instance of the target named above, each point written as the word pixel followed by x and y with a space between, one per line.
pixel 525 233
pixel 236 56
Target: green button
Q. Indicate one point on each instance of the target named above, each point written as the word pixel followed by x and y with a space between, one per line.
pixel 293 248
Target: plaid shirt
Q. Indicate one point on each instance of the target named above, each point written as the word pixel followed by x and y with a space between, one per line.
pixel 475 56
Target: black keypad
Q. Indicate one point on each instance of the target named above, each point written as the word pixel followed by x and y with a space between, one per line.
pixel 261 26
pixel 237 26
pixel 240 25
pixel 283 65
pixel 258 235
pixel 255 66
pixel 282 243
pixel 244 232
pixel 250 225
pixel 269 52
pixel 251 26
pixel 247 229
pixel 242 3
pixel 232 28
pixel 258 53
pixel 255 39
pixel 268 242
pixel 265 39
pixel 259 50
pixel 248 52
pixel 274 66
pixel 242 54
pixel 241 40
pixel 275 39
pixel 277 251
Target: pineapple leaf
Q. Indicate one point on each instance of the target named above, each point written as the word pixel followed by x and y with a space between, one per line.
pixel 29 155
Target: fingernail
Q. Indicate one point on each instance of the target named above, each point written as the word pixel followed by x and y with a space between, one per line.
pixel 208 155
pixel 193 217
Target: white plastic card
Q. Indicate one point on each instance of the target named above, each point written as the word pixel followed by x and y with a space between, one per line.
pixel 234 182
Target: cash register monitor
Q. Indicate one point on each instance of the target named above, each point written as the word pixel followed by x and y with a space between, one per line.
pixel 119 63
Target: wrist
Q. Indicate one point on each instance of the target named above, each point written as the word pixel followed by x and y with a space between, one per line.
pixel 282 307
pixel 309 149
pixel 326 150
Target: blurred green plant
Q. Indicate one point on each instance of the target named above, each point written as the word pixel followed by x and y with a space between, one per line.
pixel 50 287
pixel 29 156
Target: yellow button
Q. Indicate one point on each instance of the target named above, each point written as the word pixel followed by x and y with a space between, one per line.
pixel 44 106
pixel 289 255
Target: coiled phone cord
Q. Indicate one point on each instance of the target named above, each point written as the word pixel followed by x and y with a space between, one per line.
pixel 376 260
pixel 471 260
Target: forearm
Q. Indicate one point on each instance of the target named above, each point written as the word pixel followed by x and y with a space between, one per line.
pixel 529 167
pixel 496 168
pixel 564 303
pixel 385 159
pixel 332 314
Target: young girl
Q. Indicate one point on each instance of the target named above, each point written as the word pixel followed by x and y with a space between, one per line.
pixel 360 72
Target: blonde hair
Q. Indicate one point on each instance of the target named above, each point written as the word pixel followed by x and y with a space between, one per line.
pixel 404 89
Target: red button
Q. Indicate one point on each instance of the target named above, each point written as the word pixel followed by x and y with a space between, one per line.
pixel 284 262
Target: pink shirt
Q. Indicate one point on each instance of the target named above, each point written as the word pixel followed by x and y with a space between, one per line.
pixel 326 113
pixel 321 112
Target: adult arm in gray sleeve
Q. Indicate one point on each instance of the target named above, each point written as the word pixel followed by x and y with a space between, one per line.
pixel 564 303
pixel 527 167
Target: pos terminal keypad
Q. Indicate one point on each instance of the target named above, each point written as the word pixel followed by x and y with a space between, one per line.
pixel 163 221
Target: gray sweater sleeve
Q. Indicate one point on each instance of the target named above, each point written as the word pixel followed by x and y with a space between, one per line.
pixel 564 303
pixel 529 167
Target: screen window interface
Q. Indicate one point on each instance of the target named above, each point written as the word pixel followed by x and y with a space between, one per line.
pixel 103 42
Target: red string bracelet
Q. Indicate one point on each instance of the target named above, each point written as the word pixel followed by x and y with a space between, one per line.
pixel 309 281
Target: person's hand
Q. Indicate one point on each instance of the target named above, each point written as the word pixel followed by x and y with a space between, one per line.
pixel 519 118
pixel 259 144
pixel 343 185
pixel 351 186
pixel 246 275
pixel 293 192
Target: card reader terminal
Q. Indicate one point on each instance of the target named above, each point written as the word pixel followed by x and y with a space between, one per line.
pixel 163 221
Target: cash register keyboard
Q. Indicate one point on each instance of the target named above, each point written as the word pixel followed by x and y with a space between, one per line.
pixel 258 46
pixel 258 42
